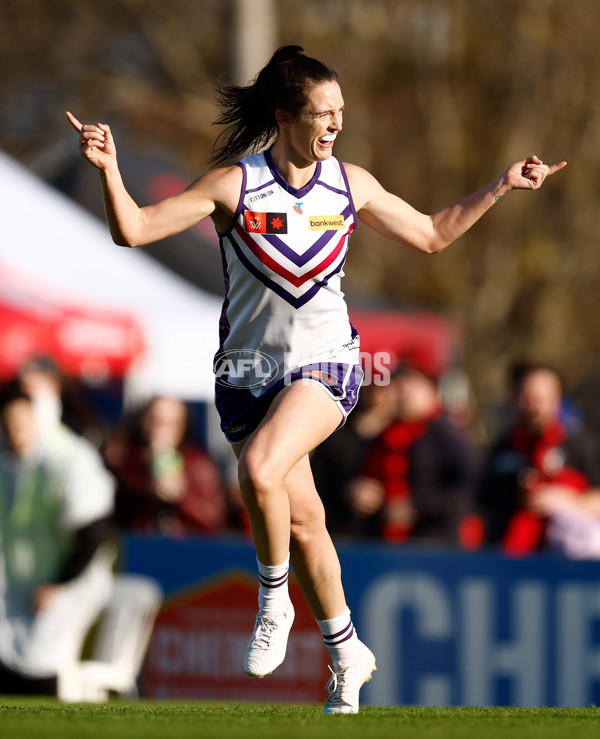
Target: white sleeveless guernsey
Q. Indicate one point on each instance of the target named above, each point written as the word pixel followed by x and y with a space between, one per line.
pixel 283 261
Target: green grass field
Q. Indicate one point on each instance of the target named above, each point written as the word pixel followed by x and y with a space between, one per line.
pixel 22 718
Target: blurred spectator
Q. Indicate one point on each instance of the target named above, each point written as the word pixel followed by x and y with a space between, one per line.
pixel 419 477
pixel 57 399
pixel 166 483
pixel 56 499
pixel 337 460
pixel 574 524
pixel 543 463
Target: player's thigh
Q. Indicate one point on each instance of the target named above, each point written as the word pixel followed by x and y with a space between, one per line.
pixel 299 419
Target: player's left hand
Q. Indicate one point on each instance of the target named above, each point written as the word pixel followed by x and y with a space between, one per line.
pixel 530 173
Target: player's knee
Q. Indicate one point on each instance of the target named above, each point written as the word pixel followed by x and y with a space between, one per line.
pixel 309 525
pixel 258 478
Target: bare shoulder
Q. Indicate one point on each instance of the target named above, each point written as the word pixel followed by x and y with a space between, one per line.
pixel 363 185
pixel 221 185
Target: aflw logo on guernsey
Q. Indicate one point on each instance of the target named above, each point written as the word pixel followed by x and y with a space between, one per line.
pixel 326 223
pixel 265 223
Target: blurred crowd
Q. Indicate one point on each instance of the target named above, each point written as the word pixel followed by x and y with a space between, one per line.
pixel 406 468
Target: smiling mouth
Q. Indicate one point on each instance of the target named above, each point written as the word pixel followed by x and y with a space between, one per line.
pixel 327 140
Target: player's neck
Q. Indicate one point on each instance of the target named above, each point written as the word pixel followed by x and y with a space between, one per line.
pixel 297 171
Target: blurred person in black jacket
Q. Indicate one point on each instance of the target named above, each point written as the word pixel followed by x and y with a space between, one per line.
pixel 337 461
pixel 418 479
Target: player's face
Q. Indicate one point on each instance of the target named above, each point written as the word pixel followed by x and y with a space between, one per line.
pixel 314 131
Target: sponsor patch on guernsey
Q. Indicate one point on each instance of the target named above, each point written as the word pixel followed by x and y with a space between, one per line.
pixel 265 223
pixel 326 223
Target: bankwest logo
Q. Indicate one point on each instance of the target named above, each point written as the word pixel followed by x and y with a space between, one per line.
pixel 326 223
pixel 265 223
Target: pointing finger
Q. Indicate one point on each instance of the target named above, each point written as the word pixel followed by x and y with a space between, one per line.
pixel 73 121
pixel 555 167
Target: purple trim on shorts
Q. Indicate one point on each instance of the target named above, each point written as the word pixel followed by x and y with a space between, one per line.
pixel 241 412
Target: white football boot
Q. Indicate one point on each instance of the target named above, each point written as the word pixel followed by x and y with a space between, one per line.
pixel 267 646
pixel 344 685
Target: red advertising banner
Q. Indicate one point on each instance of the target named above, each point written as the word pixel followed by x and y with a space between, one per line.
pixel 200 637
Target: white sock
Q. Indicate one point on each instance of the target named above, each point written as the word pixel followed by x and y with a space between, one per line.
pixel 340 639
pixel 273 593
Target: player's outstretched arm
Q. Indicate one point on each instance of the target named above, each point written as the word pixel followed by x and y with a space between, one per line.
pixel 393 217
pixel 97 146
pixel 129 224
pixel 530 173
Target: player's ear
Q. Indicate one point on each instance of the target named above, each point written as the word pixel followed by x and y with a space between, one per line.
pixel 283 118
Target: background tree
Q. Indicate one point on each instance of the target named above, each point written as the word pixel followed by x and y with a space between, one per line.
pixel 440 98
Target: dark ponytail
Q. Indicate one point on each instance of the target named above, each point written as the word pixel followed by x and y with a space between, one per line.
pixel 248 113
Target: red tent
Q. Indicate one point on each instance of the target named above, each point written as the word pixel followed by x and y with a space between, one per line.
pixel 81 339
pixel 387 338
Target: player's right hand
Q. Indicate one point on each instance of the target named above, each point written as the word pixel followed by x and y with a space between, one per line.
pixel 96 143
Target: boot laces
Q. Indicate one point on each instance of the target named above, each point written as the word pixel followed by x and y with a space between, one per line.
pixel 264 631
pixel 335 685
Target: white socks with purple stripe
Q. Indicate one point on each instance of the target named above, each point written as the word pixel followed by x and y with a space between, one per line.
pixel 341 640
pixel 273 594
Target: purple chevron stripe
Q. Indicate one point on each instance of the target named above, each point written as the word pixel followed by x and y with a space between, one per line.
pixel 301 259
pixel 295 302
pixel 271 265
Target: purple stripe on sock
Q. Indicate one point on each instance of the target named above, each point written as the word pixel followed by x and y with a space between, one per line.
pixel 273 582
pixel 333 638
pixel 273 579
pixel 340 641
